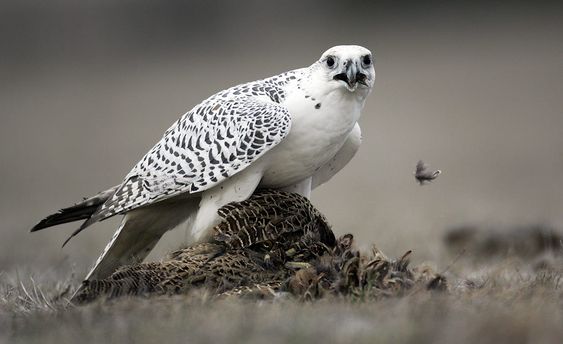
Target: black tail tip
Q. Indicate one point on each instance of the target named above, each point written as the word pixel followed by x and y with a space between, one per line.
pixel 67 240
pixel 41 225
pixel 48 221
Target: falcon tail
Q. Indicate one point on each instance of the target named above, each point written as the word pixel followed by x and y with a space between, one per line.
pixel 80 211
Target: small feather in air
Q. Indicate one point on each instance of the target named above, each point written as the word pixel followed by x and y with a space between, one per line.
pixel 423 174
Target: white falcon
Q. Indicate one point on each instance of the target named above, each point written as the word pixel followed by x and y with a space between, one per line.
pixel 292 131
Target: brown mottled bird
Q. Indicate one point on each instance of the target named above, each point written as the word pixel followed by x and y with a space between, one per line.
pixel 273 242
pixel 251 245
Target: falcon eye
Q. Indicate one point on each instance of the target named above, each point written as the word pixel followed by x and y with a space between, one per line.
pixel 366 60
pixel 330 61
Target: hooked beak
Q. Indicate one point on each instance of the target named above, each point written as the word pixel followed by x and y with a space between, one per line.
pixel 351 75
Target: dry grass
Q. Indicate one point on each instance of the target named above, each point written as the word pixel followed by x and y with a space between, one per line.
pixel 504 300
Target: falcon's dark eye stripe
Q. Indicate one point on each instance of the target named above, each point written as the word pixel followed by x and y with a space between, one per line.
pixel 330 61
pixel 366 60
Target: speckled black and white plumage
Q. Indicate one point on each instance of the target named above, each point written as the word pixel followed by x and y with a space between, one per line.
pixel 292 131
pixel 216 139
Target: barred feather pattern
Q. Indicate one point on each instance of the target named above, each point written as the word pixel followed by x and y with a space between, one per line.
pixel 268 215
pixel 206 265
pixel 254 240
pixel 263 290
pixel 216 139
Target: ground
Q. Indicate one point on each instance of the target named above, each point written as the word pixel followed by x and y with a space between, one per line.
pixel 507 298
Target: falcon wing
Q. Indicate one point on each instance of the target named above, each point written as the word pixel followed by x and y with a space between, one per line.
pixel 215 140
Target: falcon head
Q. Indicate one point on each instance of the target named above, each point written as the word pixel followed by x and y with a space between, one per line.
pixel 348 66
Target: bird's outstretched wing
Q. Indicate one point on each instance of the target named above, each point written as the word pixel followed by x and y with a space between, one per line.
pixel 215 140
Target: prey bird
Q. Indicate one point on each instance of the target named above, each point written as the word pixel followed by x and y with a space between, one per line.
pixel 249 249
pixel 290 132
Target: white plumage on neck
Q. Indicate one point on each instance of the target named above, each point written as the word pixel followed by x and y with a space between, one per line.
pixel 322 119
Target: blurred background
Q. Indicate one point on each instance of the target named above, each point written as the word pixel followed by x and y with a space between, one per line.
pixel 86 88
